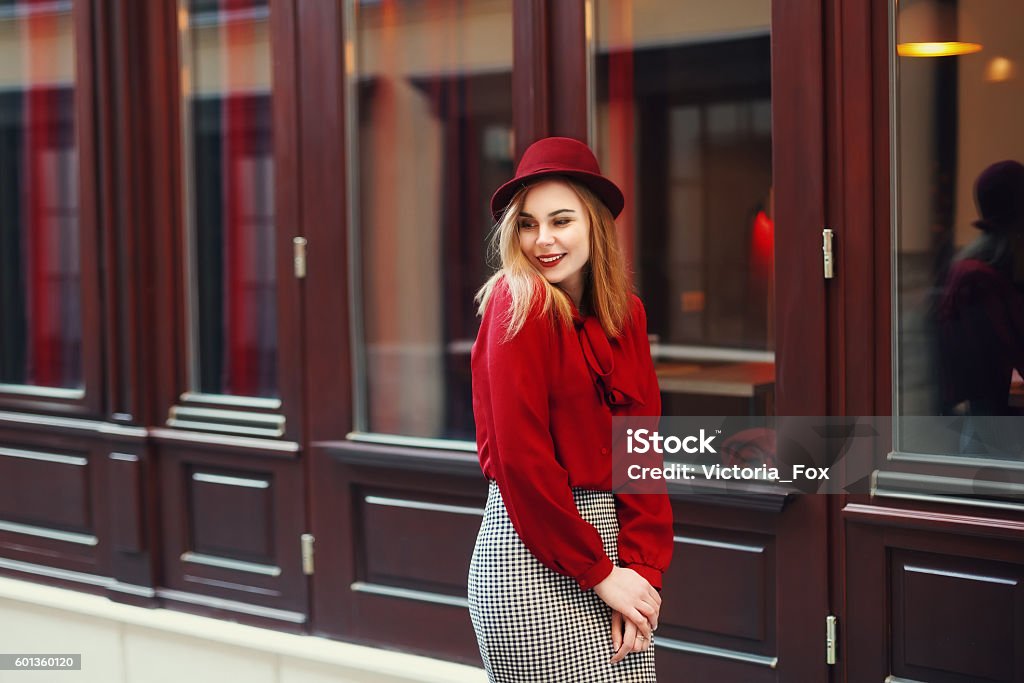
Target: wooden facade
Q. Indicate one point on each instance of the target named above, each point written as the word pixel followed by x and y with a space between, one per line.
pixel 104 493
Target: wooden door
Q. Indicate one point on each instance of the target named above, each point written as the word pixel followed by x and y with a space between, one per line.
pixel 228 418
pixel 927 570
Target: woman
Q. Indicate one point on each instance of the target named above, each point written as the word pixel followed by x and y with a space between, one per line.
pixel 980 318
pixel 565 577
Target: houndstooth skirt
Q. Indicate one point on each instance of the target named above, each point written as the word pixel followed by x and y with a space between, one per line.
pixel 534 625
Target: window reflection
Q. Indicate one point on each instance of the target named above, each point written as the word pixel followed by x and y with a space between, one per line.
pixel 960 215
pixel 40 275
pixel 434 134
pixel 683 124
pixel 230 188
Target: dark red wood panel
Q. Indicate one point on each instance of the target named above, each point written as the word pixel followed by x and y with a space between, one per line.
pixel 736 598
pixel 798 168
pixel 86 99
pixel 419 542
pixel 49 488
pixel 801 350
pixel 932 596
pixel 682 667
pixel 418 627
pixel 400 544
pixel 231 523
pixel 428 556
pixel 52 514
pixel 287 212
pixel 326 350
pixel 164 212
pixel 231 513
pixel 127 516
pixel 954 619
pixel 531 103
pixel 720 612
pixel 569 101
pixel 127 192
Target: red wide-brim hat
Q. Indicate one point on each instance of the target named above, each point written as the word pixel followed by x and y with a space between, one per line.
pixel 559 157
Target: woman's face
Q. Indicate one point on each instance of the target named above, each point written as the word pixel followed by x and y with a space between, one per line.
pixel 554 233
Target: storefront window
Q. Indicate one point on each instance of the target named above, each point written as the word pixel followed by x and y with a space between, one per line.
pixel 959 234
pixel 683 123
pixel 433 120
pixel 229 192
pixel 40 269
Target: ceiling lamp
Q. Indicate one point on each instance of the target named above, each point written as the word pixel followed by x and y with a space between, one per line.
pixel 947 49
pixel 931 28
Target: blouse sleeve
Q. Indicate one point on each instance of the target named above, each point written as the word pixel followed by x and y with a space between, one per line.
pixel 533 484
pixel 645 519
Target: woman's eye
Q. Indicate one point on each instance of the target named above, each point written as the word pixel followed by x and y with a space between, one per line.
pixel 562 221
pixel 525 226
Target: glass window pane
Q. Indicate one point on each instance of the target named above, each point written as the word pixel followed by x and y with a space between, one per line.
pixel 958 307
pixel 433 94
pixel 683 124
pixel 229 181
pixel 40 270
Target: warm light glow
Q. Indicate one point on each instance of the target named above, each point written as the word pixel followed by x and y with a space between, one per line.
pixel 998 70
pixel 936 49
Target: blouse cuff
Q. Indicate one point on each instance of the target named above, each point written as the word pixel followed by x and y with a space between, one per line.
pixel 596 574
pixel 652 575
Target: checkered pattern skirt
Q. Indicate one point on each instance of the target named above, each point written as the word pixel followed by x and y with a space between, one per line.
pixel 534 625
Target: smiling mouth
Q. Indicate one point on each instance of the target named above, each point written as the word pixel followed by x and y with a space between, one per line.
pixel 550 260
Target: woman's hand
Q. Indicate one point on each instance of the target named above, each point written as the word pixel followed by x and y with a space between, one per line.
pixel 627 592
pixel 627 637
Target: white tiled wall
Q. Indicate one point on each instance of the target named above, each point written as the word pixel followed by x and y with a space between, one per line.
pixel 159 657
pixel 31 629
pixel 124 644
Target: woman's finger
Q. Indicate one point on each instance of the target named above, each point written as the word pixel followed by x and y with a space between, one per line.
pixel 643 636
pixel 628 642
pixel 646 609
pixel 652 619
pixel 616 631
pixel 643 628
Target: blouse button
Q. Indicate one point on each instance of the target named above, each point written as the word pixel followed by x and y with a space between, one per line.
pixel 604 451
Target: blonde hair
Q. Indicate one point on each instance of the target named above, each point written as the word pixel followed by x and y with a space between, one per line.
pixel 606 290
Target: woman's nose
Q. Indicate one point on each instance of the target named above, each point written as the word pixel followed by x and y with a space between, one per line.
pixel 546 236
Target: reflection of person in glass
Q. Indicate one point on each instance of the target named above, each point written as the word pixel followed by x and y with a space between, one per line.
pixel 980 315
pixel 761 274
pixel 565 577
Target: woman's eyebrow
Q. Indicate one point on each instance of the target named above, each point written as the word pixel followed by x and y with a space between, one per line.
pixel 553 213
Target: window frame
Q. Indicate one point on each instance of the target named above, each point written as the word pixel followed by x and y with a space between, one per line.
pixel 87 401
pixel 179 405
pixel 530 26
pixel 910 475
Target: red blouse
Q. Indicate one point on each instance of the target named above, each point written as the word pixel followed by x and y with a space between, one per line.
pixel 543 403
